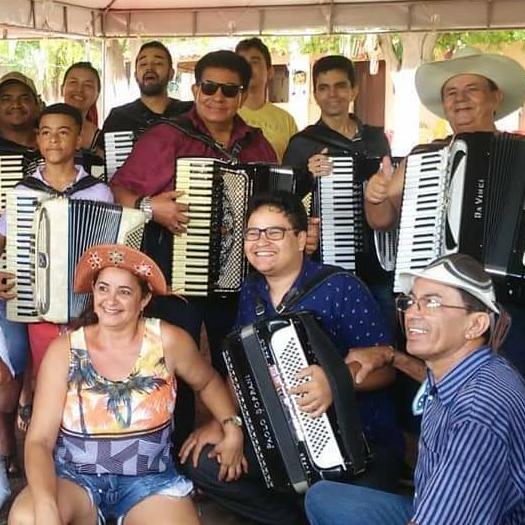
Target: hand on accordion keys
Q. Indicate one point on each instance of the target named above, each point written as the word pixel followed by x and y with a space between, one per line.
pixel 377 187
pixel 320 165
pixel 6 284
pixel 168 212
pixel 314 395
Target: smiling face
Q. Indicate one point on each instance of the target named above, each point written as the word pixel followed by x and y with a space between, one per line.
pixel 80 89
pixel 58 138
pixel 470 103
pixel 118 297
pixel 442 336
pixel 153 71
pixel 274 258
pixel 18 106
pixel 334 93
pixel 217 109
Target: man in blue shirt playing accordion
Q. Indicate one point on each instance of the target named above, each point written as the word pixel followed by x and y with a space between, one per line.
pixel 471 464
pixel 274 243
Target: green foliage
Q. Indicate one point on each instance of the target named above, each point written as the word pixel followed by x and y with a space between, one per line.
pixel 490 39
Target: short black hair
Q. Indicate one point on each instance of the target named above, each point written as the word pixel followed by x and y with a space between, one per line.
pixel 62 109
pixel 332 62
pixel 156 45
pixel 286 202
pixel 83 65
pixel 255 43
pixel 226 60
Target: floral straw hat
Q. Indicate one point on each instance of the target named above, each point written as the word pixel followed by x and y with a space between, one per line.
pixel 103 256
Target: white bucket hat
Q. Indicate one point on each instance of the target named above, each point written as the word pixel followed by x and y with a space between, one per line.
pixel 505 72
pixel 459 271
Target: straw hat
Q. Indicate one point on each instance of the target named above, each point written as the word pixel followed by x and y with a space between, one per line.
pixel 505 72
pixel 103 256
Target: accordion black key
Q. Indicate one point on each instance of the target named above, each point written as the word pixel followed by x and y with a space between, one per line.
pixel 293 449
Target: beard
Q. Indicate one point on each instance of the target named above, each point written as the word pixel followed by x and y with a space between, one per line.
pixel 152 89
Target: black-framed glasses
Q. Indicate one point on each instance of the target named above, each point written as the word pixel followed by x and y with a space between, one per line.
pixel 425 303
pixel 272 233
pixel 209 88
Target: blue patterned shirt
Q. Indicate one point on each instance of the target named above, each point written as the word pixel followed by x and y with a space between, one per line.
pixel 348 313
pixel 471 466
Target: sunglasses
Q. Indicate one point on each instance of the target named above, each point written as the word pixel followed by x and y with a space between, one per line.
pixel 209 87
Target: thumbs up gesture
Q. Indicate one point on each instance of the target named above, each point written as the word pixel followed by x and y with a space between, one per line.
pixel 377 188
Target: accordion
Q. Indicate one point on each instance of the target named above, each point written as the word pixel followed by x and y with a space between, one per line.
pixel 345 239
pixel 467 197
pixel 117 147
pixel 209 256
pixel 293 449
pixel 45 239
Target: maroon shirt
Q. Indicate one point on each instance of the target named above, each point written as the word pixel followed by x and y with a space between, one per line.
pixel 151 167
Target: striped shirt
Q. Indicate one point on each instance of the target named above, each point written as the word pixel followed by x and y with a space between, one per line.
pixel 471 466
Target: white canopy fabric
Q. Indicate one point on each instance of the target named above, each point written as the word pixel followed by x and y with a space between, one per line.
pixel 148 18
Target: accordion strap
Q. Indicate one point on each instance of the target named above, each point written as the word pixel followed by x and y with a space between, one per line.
pixel 37 184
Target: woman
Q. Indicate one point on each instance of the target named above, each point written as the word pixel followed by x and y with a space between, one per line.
pixel 107 392
pixel 80 88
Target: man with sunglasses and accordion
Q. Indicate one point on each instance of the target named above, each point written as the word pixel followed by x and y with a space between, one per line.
pixel 274 243
pixel 211 129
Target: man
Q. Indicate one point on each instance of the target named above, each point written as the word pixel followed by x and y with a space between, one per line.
pixel 471 91
pixel 210 129
pixel 339 132
pixel 19 109
pixel 153 72
pixel 275 239
pixel 276 123
pixel 471 460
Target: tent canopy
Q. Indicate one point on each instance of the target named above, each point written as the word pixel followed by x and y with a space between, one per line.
pixel 146 18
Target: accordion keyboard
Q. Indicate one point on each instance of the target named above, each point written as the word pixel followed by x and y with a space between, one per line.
pixel 117 147
pixel 341 212
pixel 20 250
pixel 421 226
pixel 317 433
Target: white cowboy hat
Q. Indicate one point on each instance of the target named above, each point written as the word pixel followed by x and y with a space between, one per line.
pixel 505 72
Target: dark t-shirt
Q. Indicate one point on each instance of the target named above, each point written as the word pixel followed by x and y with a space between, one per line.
pixel 136 116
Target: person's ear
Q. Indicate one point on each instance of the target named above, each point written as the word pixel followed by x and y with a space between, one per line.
pixel 242 98
pixel 478 324
pixel 301 237
pixel 171 74
pixel 195 91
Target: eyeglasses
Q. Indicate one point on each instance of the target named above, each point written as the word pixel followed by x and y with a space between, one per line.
pixel 209 87
pixel 272 233
pixel 429 304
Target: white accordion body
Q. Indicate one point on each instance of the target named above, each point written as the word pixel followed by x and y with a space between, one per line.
pixel 45 239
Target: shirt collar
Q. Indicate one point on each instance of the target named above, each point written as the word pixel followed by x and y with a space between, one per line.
pixel 240 128
pixel 358 134
pixel 447 388
pixel 81 173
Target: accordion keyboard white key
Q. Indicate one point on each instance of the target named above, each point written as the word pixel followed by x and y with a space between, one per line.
pixel 421 225
pixel 117 147
pixel 317 433
pixel 340 204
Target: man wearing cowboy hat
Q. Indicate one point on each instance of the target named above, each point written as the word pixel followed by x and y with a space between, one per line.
pixel 471 451
pixel 472 90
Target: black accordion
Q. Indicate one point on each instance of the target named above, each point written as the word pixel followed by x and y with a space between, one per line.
pixel 345 239
pixel 467 197
pixel 209 256
pixel 293 449
pixel 117 147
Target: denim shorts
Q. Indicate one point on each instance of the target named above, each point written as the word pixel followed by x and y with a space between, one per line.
pixel 14 343
pixel 115 495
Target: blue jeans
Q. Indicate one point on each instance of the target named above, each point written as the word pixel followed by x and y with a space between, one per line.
pixel 330 503
pixel 115 495
pixel 17 343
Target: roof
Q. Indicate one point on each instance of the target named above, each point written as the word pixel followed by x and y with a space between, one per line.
pixel 146 18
